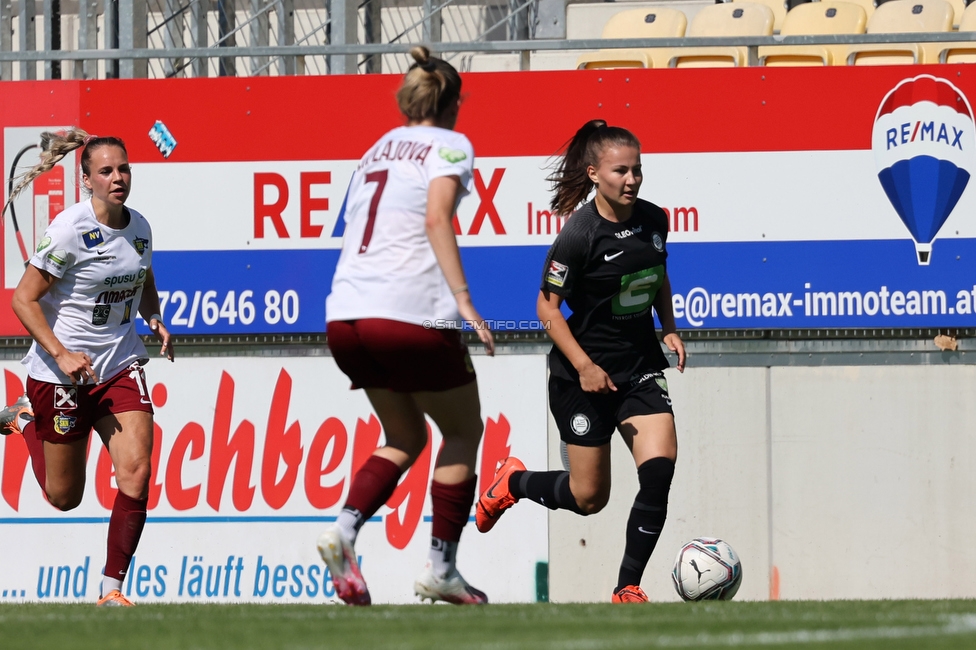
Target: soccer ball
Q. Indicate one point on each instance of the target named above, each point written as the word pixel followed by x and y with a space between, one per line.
pixel 707 569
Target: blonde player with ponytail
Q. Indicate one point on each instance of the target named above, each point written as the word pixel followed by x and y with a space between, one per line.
pixel 398 298
pixel 87 282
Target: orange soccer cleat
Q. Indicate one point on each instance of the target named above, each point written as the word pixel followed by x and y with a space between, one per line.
pixel 10 415
pixel 497 498
pixel 630 594
pixel 115 598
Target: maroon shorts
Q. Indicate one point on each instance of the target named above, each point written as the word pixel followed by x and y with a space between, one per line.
pixel 405 358
pixel 65 413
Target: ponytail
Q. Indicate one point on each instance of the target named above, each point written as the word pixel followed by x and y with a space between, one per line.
pixel 54 147
pixel 430 88
pixel 571 183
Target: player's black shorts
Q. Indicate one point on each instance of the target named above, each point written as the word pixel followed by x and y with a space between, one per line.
pixel 589 419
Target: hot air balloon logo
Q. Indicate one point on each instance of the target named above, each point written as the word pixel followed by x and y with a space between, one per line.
pixel 925 148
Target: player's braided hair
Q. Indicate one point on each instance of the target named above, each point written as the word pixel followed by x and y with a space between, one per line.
pixel 430 88
pixel 54 147
pixel 571 183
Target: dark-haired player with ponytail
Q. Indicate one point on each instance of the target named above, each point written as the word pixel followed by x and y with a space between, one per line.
pixel 398 296
pixel 85 367
pixel 609 263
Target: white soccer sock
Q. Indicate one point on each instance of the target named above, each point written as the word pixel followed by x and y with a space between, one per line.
pixel 442 555
pixel 348 522
pixel 24 419
pixel 108 584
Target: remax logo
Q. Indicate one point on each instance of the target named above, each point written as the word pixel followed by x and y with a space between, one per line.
pixel 923 143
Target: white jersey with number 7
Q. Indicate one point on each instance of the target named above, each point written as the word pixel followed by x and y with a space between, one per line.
pixel 387 268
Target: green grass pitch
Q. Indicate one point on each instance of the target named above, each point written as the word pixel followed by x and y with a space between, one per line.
pixel 796 624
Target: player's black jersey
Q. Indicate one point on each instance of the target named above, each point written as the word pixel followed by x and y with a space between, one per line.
pixel 609 274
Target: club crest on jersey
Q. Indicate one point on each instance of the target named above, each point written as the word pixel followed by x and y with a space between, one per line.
pixel 557 273
pixel 451 155
pixel 43 244
pixel 92 238
pixel 65 397
pixel 64 423
pixel 141 245
pixel 580 424
pixel 658 242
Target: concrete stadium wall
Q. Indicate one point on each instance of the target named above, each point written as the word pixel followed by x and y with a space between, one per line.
pixel 830 482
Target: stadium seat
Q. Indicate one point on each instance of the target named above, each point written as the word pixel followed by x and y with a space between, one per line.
pixel 815 18
pixel 903 17
pixel 963 52
pixel 779 9
pixel 867 5
pixel 636 23
pixel 726 19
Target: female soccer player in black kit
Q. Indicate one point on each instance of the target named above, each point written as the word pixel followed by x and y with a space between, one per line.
pixel 609 264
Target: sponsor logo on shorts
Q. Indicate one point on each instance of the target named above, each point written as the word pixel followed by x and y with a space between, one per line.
pixel 451 155
pixel 467 364
pixel 65 397
pixel 557 273
pixel 92 238
pixel 658 242
pixel 43 244
pixel 663 383
pixel 64 423
pixel 580 424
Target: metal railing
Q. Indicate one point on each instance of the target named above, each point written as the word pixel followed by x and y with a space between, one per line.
pixel 131 60
pixel 204 37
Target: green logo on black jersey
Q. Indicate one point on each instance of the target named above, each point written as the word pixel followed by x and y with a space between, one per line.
pixel 637 291
pixel 451 155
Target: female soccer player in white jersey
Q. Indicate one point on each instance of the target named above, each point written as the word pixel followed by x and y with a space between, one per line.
pixel 398 295
pixel 609 264
pixel 89 278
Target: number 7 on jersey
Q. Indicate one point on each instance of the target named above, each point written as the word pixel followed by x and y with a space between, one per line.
pixel 378 177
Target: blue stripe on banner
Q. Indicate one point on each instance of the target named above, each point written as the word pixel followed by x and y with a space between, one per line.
pixel 178 520
pixel 724 285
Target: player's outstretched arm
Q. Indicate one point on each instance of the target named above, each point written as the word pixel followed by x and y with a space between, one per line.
pixel 665 313
pixel 442 196
pixel 149 309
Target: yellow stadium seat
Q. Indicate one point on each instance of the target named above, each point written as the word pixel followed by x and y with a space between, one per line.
pixel 867 5
pixel 726 19
pixel 636 23
pixel 901 17
pixel 815 18
pixel 958 9
pixel 965 51
pixel 778 7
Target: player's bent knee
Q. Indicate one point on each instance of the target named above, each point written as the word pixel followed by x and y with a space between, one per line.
pixel 64 502
pixel 590 505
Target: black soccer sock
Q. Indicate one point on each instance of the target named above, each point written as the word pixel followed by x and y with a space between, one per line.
pixel 550 489
pixel 646 519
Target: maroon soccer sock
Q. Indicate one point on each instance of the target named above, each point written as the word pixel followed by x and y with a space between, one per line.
pixel 35 446
pixel 124 530
pixel 451 505
pixel 372 486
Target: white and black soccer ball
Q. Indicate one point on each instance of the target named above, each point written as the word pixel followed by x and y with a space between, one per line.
pixel 707 569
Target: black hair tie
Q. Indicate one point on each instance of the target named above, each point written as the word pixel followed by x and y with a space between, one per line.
pixel 428 66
